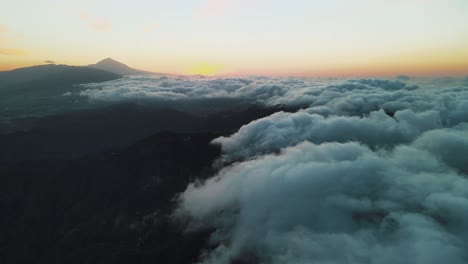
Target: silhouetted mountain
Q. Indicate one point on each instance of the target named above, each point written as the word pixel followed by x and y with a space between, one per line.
pixel 117 67
pixel 51 74
pixel 38 90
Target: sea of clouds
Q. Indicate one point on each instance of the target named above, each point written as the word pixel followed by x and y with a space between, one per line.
pixel 368 171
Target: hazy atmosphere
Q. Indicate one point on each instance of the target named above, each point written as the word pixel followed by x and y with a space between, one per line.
pixel 239 37
pixel 234 132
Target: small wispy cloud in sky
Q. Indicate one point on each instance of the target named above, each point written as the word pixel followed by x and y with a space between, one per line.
pixel 96 22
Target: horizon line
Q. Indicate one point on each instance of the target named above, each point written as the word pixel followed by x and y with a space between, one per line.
pixel 344 73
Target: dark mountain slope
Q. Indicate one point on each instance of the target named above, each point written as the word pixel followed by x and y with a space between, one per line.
pixel 107 208
pixel 98 186
pixel 37 77
pixel 72 135
pixel 38 90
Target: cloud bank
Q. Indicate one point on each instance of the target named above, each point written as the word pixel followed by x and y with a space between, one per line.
pixel 280 130
pixel 369 171
pixel 339 96
pixel 339 203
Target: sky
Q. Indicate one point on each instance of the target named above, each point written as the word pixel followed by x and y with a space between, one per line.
pixel 242 37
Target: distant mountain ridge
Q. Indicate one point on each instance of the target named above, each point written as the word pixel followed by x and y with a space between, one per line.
pixel 46 89
pixel 114 66
pixel 38 90
pixel 54 73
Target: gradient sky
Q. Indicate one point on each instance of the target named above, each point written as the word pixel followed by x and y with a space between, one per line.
pixel 236 37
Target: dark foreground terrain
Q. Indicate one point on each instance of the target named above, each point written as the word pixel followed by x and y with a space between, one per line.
pixel 97 186
pixel 106 208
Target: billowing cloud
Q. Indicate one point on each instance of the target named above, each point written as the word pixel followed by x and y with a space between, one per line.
pixel 448 145
pixel 369 171
pixel 96 22
pixel 267 90
pixel 403 78
pixel 281 130
pixel 320 96
pixel 336 203
pixel 163 88
pixel 465 82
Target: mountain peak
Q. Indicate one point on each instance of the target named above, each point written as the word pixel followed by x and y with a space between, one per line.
pixel 111 65
pixel 109 61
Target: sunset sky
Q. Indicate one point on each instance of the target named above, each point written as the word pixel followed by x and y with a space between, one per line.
pixel 242 37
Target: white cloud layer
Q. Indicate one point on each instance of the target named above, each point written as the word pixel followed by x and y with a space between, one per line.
pixel 338 203
pixel 369 171
pixel 340 95
pixel 281 130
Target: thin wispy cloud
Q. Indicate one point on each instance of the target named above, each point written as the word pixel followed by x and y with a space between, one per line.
pixel 96 22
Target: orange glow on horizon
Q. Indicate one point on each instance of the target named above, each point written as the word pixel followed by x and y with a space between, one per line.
pixel 376 70
pixel 453 62
pixel 204 69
